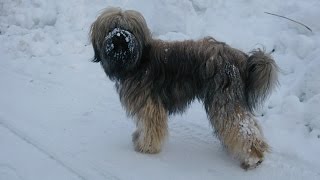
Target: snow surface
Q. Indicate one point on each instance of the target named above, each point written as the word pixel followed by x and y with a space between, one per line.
pixel 60 117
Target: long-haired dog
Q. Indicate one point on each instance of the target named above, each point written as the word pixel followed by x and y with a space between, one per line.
pixel 156 78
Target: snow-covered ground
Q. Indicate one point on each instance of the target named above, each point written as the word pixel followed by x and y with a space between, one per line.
pixel 60 117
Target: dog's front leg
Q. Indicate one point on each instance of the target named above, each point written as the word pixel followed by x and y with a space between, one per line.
pixel 152 128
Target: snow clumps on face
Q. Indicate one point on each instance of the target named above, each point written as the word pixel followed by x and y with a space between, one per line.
pixel 128 37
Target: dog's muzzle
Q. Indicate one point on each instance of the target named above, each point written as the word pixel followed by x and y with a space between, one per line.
pixel 121 45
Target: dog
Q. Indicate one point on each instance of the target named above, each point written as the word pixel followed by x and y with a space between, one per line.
pixel 155 79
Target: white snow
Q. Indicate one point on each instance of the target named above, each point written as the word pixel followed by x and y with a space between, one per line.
pixel 60 117
pixel 127 39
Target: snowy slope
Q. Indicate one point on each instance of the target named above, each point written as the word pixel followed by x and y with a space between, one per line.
pixel 60 117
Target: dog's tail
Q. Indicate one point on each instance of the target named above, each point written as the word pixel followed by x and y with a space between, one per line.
pixel 262 78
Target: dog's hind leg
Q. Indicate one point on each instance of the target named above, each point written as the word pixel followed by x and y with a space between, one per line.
pixel 234 124
pixel 152 128
pixel 239 132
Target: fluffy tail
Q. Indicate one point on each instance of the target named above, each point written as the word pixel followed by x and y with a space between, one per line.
pixel 262 78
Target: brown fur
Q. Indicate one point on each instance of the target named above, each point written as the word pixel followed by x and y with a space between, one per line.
pixel 152 126
pixel 156 78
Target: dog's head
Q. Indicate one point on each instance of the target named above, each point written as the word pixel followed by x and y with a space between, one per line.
pixel 118 39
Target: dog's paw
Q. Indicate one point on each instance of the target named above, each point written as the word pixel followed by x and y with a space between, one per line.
pixel 146 149
pixel 255 155
pixel 144 145
pixel 251 163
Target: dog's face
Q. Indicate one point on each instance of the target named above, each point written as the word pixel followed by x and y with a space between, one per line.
pixel 118 39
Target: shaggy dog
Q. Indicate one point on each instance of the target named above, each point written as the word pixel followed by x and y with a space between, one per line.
pixel 156 78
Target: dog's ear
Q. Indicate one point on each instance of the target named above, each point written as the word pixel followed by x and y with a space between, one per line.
pixel 93 38
pixel 96 57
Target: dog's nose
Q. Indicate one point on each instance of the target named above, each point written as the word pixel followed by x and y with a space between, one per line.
pixel 119 42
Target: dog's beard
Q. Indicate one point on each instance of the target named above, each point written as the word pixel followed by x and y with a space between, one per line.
pixel 121 48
